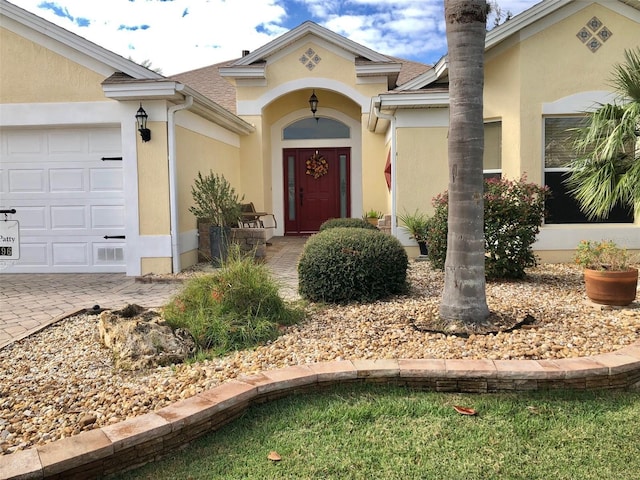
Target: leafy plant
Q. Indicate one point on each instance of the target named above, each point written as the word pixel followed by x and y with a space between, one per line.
pixel 606 171
pixel 513 213
pixel 373 214
pixel 602 255
pixel 215 200
pixel 346 223
pixel 340 265
pixel 416 224
pixel 236 307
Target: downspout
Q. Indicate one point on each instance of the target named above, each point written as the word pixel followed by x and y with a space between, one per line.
pixel 173 180
pixel 392 119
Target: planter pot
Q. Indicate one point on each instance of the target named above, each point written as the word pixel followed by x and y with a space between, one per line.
pixel 219 239
pixel 611 287
pixel 423 248
pixel 372 221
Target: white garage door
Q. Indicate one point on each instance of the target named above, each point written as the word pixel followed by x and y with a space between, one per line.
pixel 67 188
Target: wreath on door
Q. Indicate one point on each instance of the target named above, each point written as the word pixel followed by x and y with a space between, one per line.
pixel 317 166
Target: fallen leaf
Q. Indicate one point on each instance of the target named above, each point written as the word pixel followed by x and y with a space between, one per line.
pixel 274 457
pixel 464 410
pixel 534 410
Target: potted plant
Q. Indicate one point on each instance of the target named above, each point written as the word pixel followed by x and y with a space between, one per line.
pixel 416 224
pixel 608 276
pixel 216 203
pixel 372 216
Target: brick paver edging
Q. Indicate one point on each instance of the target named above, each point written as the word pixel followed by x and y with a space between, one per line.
pixel 146 438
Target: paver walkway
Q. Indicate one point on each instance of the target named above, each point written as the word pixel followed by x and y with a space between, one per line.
pixel 30 302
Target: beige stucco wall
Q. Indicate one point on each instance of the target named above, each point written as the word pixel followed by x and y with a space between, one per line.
pixel 375 194
pixel 200 153
pixel 543 68
pixel 422 167
pixel 153 182
pixel 30 73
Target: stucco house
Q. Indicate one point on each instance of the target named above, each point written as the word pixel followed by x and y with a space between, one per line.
pixel 91 196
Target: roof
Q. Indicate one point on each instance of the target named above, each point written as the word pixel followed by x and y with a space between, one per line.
pixel 209 82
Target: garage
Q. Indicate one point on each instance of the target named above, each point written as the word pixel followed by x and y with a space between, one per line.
pixel 66 185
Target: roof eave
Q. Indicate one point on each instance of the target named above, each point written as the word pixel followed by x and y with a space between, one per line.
pixel 177 92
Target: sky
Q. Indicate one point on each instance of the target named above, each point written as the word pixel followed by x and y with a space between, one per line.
pixel 181 35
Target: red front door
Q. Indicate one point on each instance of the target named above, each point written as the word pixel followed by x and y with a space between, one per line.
pixel 316 183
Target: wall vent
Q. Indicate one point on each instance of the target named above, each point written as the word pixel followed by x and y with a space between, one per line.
pixel 110 254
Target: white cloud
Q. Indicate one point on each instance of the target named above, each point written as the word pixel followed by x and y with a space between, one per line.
pixel 181 35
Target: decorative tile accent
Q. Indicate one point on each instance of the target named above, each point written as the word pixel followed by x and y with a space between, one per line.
pixel 594 34
pixel 605 34
pixel 594 44
pixel 584 34
pixel 594 24
pixel 310 59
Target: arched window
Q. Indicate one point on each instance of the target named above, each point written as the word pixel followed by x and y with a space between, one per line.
pixel 311 128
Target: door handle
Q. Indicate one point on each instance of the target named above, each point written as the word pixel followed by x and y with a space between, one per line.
pixel 301 195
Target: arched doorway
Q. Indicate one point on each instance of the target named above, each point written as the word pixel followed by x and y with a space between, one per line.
pixel 316 177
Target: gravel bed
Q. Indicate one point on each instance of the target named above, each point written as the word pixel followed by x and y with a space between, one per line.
pixel 61 381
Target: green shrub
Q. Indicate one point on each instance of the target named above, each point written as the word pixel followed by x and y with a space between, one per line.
pixel 347 223
pixel 351 264
pixel 236 307
pixel 513 213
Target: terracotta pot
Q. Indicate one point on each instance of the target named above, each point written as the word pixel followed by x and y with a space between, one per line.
pixel 611 287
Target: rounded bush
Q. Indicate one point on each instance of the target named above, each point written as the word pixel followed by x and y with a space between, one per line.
pixel 347 223
pixel 340 265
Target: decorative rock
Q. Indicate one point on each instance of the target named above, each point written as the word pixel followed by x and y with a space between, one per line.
pixel 87 419
pixel 61 372
pixel 140 338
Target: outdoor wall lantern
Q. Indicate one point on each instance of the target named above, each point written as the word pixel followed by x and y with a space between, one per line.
pixel 313 103
pixel 141 122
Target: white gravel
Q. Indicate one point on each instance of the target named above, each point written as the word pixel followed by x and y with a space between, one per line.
pixel 61 381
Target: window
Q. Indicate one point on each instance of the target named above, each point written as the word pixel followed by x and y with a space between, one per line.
pixel 561 207
pixel 310 128
pixel 492 157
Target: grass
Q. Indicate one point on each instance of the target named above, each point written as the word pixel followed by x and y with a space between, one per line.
pixel 383 432
pixel 235 308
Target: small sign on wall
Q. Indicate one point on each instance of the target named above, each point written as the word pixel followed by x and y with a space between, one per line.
pixel 9 240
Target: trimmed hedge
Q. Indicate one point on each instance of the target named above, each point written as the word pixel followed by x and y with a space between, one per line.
pixel 347 223
pixel 341 265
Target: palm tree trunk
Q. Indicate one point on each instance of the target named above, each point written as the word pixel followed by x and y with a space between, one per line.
pixel 464 297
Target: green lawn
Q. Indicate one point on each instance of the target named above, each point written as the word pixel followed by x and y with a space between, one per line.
pixel 380 432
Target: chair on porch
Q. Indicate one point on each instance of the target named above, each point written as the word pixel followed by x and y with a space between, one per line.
pixel 250 218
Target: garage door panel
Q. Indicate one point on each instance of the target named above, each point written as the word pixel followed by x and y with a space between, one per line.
pixel 69 217
pixel 106 180
pixel 26 143
pixel 27 181
pixel 106 142
pixel 63 142
pixel 66 198
pixel 66 180
pixel 32 218
pixel 73 254
pixel 109 217
pixel 33 254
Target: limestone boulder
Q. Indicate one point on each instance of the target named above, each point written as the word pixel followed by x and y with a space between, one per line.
pixel 140 338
